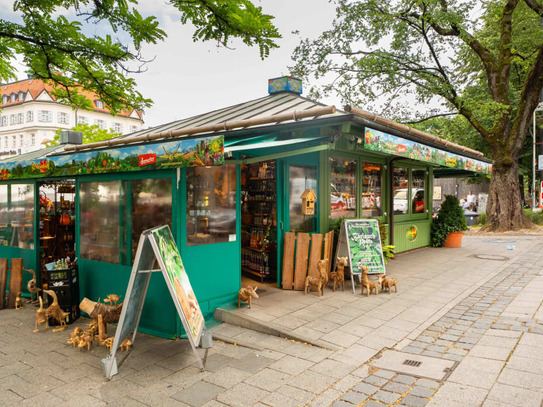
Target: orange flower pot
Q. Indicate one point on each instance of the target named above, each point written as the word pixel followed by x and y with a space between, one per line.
pixel 454 239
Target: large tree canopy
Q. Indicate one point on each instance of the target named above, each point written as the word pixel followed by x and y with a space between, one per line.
pixel 52 37
pixel 481 60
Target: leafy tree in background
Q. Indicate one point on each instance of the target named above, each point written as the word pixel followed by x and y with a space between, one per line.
pixel 481 60
pixel 91 133
pixel 52 37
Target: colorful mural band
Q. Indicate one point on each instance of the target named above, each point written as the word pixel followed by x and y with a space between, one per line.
pixel 180 153
pixel 386 143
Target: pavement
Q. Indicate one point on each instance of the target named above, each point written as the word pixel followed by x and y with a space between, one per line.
pixel 464 329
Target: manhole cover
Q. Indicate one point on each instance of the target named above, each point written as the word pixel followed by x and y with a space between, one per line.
pixel 416 365
pixel 494 257
pixel 499 241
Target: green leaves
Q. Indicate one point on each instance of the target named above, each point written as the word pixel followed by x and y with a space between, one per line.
pixel 91 134
pixel 450 218
pixel 53 38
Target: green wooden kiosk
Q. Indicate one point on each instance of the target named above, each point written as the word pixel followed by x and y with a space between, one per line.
pixel 229 184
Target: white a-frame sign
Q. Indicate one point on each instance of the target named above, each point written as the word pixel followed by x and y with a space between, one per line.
pixel 158 244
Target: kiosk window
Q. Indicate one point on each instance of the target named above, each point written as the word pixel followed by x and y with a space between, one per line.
pixel 418 188
pixel 343 187
pixel 371 190
pixel 4 221
pixel 99 223
pixel 21 216
pixel 401 190
pixel 151 206
pixel 211 205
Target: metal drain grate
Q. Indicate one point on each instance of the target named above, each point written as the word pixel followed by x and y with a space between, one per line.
pixel 413 363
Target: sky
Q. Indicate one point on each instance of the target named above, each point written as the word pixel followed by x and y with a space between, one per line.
pixel 188 78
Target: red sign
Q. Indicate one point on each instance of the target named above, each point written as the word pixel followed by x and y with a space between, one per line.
pixel 401 148
pixel 146 159
pixel 419 206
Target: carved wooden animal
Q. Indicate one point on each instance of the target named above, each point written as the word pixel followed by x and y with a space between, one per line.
pixel 319 281
pixel 338 277
pixel 85 340
pixel 32 287
pixel 126 344
pixel 388 283
pixel 74 337
pixel 367 283
pixel 19 302
pixel 108 343
pixel 41 317
pixel 112 299
pixel 245 294
pixel 54 311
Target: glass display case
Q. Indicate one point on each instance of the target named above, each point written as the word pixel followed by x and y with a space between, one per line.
pixel 259 220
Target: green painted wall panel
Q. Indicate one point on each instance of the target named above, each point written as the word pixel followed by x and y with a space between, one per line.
pixel 29 262
pixel 400 235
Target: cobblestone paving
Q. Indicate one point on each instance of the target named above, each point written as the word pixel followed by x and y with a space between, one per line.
pixel 452 337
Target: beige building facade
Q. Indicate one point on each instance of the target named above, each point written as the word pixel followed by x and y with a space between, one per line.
pixel 30 117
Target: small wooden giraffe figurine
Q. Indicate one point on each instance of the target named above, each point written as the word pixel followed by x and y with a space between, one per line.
pixel 367 283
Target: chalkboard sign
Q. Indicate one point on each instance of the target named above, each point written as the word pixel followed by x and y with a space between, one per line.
pixel 359 239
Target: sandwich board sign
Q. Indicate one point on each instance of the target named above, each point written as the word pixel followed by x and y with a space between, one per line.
pixel 158 245
pixel 360 241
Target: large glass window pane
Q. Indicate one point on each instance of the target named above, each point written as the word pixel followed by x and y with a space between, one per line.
pixel 99 221
pixel 211 205
pixel 371 190
pixel 21 215
pixel 418 186
pixel 151 206
pixel 343 188
pixel 4 215
pixel 400 190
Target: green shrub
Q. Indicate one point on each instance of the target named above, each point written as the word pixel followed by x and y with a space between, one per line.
pixel 535 217
pixel 450 218
pixel 482 218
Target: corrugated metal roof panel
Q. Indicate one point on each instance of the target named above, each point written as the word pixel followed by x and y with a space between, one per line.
pixel 35 155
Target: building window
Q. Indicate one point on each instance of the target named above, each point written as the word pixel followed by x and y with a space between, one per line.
pixel 13 119
pixel 20 118
pixel 13 141
pixel 82 120
pixel 133 129
pixel 5 99
pixel 45 116
pixel 118 127
pixel 6 142
pixel 100 123
pixel 3 120
pixel 33 139
pixel 211 204
pixel 99 104
pixel 21 216
pixel 371 190
pixel 29 116
pixel 21 96
pixel 343 187
pixel 21 140
pixel 63 118
pixel 400 189
pixel 13 97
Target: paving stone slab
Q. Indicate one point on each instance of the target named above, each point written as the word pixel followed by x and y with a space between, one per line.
pixel 386 397
pixel 354 397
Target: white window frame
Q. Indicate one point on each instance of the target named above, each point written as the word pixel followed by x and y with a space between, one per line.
pixel 99 104
pixel 13 97
pixel 100 123
pixel 32 139
pixel 20 118
pixel 29 116
pixel 45 116
pixel 82 120
pixel 63 118
pixel 13 141
pixel 12 119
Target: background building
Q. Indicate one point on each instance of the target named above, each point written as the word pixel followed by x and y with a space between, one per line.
pixel 30 116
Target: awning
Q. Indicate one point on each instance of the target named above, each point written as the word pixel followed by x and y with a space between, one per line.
pixel 253 143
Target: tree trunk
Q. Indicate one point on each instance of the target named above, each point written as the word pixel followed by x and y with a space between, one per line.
pixel 504 208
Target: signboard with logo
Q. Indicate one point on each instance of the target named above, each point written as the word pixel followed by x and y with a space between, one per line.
pixel 387 143
pixel 360 241
pixel 171 154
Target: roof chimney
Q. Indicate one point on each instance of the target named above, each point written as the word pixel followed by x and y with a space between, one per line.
pixel 71 137
pixel 285 84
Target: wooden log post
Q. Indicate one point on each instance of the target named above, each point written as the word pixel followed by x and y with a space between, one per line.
pixel 15 281
pixel 302 256
pixel 3 281
pixel 288 260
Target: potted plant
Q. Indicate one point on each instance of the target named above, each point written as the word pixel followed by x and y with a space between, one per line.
pixel 448 226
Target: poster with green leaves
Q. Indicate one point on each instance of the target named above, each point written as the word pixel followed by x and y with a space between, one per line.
pixel 364 245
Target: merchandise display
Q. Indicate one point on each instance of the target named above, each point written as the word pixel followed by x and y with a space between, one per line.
pixel 259 220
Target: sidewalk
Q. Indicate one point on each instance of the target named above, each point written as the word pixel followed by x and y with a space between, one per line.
pixel 470 317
